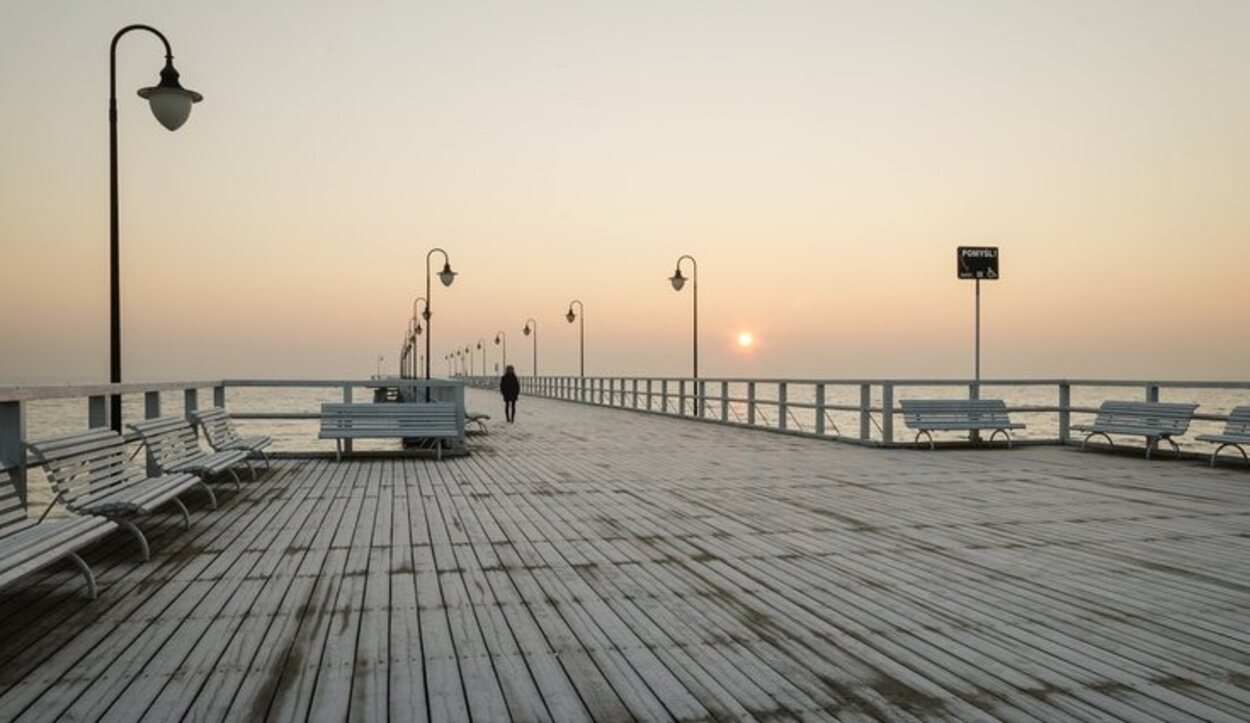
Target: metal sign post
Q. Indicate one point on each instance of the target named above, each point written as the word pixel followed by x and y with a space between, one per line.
pixel 977 263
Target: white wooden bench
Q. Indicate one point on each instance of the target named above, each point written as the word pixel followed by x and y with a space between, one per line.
pixel 1236 434
pixel 173 447
pixel 1153 420
pixel 221 434
pixel 92 474
pixel 27 545
pixel 957 415
pixel 435 421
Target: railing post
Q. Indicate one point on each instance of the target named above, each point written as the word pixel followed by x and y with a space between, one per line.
pixel 1065 412
pixel 648 395
pixel 347 399
pixel 865 412
pixel 98 411
pixel 612 392
pixel 887 414
pixel 974 393
pixel 1152 392
pixel 681 397
pixel 783 408
pixel 190 401
pixel 701 391
pixel 151 405
pixel 219 396
pixel 664 395
pixel 724 401
pixel 820 409
pixel 751 404
pixel 12 434
pixel 633 385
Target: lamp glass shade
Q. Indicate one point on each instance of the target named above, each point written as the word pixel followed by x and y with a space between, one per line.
pixel 678 280
pixel 571 316
pixel 171 106
pixel 419 329
pixel 526 330
pixel 496 339
pixel 447 275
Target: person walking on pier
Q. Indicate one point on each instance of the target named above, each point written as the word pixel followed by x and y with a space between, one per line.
pixel 510 387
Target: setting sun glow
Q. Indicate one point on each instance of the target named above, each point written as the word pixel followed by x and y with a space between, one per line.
pixel 745 339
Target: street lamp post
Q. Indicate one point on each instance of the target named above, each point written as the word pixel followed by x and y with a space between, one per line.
pixel 415 325
pixel 679 281
pixel 502 339
pixel 581 334
pixel 379 374
pixel 481 345
pixel 171 104
pixel 446 276
pixel 468 355
pixel 535 332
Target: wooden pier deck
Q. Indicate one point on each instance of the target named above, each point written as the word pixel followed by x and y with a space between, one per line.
pixel 593 564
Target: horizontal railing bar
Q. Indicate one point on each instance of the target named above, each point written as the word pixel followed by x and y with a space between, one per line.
pixel 70 391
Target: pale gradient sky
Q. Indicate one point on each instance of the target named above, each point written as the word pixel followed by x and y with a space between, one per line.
pixel 822 160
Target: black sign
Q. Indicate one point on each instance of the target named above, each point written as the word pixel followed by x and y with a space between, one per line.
pixel 977 262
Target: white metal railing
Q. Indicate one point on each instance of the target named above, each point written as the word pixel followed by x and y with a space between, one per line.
pixel 865 411
pixel 150 400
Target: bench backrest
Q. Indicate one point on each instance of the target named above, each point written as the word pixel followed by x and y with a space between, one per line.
pixel 80 464
pixel 217 426
pixel 1164 417
pixel 1238 424
pixel 954 410
pixel 169 440
pixel 389 418
pixel 12 511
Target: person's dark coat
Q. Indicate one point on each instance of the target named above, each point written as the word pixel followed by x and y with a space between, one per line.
pixel 510 387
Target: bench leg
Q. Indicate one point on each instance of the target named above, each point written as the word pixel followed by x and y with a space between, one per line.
pixel 186 516
pixel 92 591
pixel 238 484
pixel 251 469
pixel 1175 447
pixel 212 499
pixel 1220 448
pixel 1151 443
pixel 143 541
pixel 1005 434
pixel 439 444
pixel 338 450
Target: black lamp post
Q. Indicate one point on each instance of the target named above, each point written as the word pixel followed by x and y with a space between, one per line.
pixel 415 324
pixel 502 339
pixel 679 281
pixel 581 334
pixel 171 104
pixel 528 322
pixel 481 345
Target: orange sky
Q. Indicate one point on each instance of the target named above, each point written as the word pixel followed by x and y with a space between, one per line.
pixel 822 160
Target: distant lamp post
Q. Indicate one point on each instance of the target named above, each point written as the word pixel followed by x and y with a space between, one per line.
pixel 528 322
pixel 379 374
pixel 415 325
pixel 502 339
pixel 468 355
pixel 481 345
pixel 581 334
pixel 171 104
pixel 447 276
pixel 678 282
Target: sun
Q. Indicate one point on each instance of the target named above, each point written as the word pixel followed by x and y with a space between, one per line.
pixel 745 339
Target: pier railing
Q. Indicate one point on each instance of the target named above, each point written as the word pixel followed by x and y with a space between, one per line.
pixel 866 411
pixel 36 412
